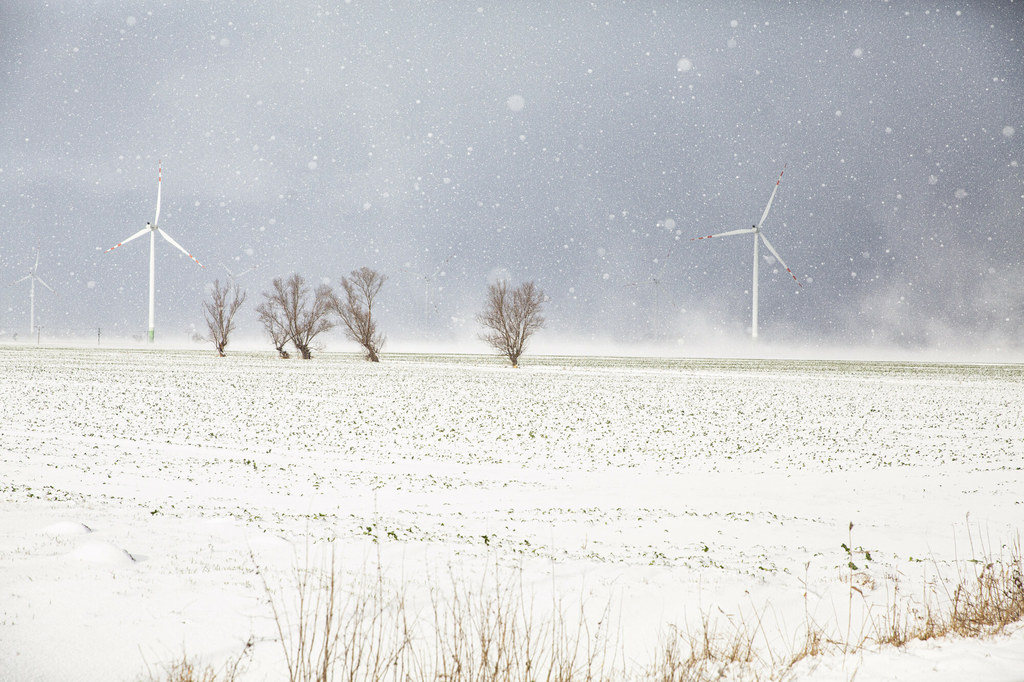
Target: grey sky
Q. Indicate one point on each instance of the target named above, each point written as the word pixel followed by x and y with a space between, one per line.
pixel 538 140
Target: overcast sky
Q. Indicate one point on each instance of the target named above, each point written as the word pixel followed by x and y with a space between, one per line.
pixel 581 145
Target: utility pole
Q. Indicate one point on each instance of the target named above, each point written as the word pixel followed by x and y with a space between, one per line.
pixel 97 336
pixel 39 330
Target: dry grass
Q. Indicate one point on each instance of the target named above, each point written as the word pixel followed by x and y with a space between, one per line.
pixel 491 631
pixel 706 654
pixel 186 670
pixel 485 633
pixel 494 633
pixel 986 596
pixel 980 602
pixel 329 633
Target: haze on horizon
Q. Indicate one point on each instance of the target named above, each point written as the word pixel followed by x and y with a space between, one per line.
pixel 581 146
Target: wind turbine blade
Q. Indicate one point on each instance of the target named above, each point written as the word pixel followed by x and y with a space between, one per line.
pixel 179 247
pixel 22 279
pixel 36 267
pixel 749 230
pixel 779 258
pixel 769 206
pixel 137 234
pixel 159 182
pixel 226 268
pixel 45 285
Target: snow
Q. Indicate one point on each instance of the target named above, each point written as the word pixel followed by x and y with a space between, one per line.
pixel 142 490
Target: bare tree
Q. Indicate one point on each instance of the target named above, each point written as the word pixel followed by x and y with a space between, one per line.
pixel 288 314
pixel 510 317
pixel 272 320
pixel 220 313
pixel 355 308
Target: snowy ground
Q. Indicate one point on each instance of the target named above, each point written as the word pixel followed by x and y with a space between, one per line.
pixel 140 490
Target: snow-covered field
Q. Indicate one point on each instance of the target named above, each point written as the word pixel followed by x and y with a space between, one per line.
pixel 140 491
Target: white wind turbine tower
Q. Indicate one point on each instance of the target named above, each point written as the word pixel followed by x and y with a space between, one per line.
pixel 153 228
pixel 33 278
pixel 758 234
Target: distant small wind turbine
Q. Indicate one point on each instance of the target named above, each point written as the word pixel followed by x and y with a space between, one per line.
pixel 427 279
pixel 153 228
pixel 33 278
pixel 656 280
pixel 756 231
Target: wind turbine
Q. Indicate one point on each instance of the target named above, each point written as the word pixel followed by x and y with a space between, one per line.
pixel 656 280
pixel 758 234
pixel 33 277
pixel 427 279
pixel 153 228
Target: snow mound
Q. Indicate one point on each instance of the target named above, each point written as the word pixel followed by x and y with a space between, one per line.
pixel 102 553
pixel 62 528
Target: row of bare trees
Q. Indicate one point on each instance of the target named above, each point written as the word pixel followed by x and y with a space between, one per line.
pixel 294 312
